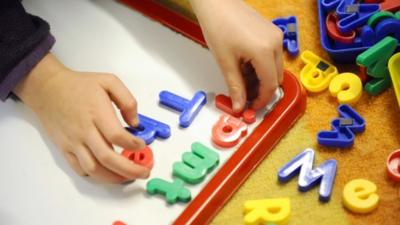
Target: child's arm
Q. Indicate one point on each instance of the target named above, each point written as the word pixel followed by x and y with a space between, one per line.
pixel 75 108
pixel 237 34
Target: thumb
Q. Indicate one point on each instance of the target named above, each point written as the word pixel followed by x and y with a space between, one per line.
pixel 123 99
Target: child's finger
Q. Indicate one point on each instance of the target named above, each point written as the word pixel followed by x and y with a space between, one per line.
pixel 268 81
pixel 122 98
pixel 114 161
pixel 74 163
pixel 279 63
pixel 90 165
pixel 112 130
pixel 234 80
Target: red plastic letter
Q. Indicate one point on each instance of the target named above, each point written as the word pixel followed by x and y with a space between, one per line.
pixel 224 103
pixel 143 157
pixel 228 131
pixel 119 223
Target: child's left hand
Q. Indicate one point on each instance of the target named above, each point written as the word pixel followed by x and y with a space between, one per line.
pixel 237 34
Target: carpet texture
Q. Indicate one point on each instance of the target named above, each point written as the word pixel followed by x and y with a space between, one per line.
pixel 366 159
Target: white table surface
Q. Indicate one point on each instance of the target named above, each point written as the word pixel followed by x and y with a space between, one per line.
pixel 38 186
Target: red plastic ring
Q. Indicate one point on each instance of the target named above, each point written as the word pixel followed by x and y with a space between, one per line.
pixel 334 33
pixel 393 165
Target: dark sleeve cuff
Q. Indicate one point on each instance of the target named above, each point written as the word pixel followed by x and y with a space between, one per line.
pixel 24 67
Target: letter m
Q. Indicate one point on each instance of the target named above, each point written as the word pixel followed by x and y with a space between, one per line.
pixel 309 177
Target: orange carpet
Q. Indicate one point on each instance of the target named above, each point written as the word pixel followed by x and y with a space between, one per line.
pixel 366 159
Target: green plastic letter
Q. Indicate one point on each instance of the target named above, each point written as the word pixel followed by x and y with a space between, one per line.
pixel 196 164
pixel 173 192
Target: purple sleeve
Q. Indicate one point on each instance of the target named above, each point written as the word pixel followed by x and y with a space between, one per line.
pixel 23 68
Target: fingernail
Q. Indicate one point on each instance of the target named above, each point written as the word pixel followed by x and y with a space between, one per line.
pixel 146 175
pixel 126 182
pixel 139 144
pixel 237 104
pixel 135 122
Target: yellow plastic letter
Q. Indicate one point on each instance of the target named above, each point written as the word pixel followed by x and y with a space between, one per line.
pixel 360 196
pixel 394 69
pixel 266 211
pixel 317 73
pixel 346 87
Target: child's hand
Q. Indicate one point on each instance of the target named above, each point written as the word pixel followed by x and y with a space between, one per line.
pixel 237 34
pixel 76 110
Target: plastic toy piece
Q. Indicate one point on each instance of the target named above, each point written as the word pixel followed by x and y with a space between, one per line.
pixel 372 1
pixel 143 157
pixel 393 165
pixel 390 5
pixel 377 85
pixel 376 60
pixel 388 27
pixel 288 26
pixel 363 74
pixel 188 108
pixel 267 211
pixel 334 32
pixel 249 116
pixel 342 136
pixel 340 52
pixel 119 223
pixel 330 5
pixel 386 5
pixel 196 164
pixel 347 87
pixel 379 16
pixel 353 15
pixel 377 57
pixel 381 25
pixel 367 36
pixel 149 129
pixel 173 192
pixel 224 103
pixel 394 70
pixel 309 177
pixel 228 131
pixel 317 73
pixel 360 196
pixel 251 152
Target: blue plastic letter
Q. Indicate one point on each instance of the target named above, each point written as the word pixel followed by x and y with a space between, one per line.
pixel 330 5
pixel 288 26
pixel 353 14
pixel 309 177
pixel 149 129
pixel 342 134
pixel 188 108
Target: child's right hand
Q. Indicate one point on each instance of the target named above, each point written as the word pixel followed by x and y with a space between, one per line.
pixel 77 112
pixel 239 36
